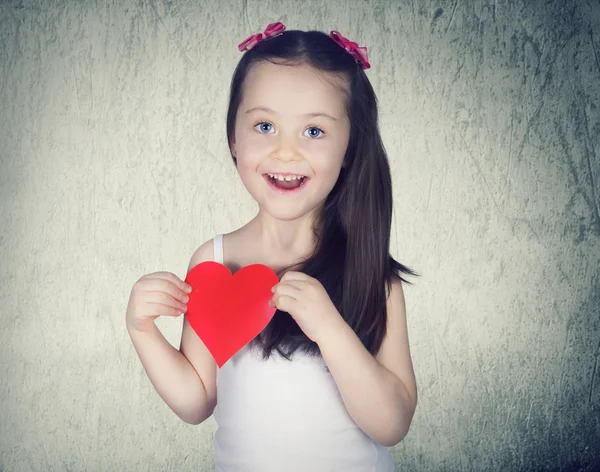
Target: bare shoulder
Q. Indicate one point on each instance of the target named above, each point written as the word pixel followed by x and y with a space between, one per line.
pixel 394 353
pixel 192 346
pixel 204 253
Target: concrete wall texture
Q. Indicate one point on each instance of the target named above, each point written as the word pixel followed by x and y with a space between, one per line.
pixel 114 164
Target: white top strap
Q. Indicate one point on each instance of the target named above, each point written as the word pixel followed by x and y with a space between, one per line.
pixel 218 248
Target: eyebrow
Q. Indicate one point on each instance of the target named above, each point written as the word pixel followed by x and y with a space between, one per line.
pixel 268 110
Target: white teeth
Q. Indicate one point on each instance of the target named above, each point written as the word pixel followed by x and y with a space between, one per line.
pixel 287 177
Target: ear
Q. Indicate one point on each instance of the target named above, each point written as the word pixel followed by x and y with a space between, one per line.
pixel 233 147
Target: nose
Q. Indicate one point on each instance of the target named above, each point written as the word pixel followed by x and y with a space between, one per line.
pixel 286 151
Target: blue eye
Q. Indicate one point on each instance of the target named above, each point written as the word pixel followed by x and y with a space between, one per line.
pixel 318 129
pixel 311 128
pixel 262 123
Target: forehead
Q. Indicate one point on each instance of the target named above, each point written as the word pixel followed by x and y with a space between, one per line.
pixel 299 88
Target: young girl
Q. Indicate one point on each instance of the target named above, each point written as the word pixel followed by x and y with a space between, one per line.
pixel 329 383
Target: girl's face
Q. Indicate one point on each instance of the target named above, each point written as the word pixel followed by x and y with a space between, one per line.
pixel 292 120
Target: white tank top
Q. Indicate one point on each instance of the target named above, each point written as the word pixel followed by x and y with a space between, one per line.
pixel 286 416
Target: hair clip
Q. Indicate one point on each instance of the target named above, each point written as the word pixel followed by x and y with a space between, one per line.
pixel 359 52
pixel 274 29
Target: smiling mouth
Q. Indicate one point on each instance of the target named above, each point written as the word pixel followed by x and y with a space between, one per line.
pixel 286 184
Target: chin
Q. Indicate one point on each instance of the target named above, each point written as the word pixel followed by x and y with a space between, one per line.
pixel 284 214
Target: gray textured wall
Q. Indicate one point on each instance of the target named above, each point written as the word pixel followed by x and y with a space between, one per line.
pixel 113 164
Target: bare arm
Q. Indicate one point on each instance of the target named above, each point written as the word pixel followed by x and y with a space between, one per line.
pixel 171 374
pixel 184 378
pixel 379 392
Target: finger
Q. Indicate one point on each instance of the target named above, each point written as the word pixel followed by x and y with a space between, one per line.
pixel 286 303
pixel 172 278
pixel 295 275
pixel 162 298
pixel 291 290
pixel 160 309
pixel 298 283
pixel 166 285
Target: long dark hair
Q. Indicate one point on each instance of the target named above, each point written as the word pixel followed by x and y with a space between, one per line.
pixel 351 258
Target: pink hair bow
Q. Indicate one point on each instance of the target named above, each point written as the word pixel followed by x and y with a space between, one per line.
pixel 274 29
pixel 359 52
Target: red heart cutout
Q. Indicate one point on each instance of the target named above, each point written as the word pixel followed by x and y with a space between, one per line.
pixel 228 311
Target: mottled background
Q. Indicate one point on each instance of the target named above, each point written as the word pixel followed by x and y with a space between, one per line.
pixel 114 163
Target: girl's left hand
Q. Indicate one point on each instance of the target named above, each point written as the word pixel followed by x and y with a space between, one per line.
pixel 307 301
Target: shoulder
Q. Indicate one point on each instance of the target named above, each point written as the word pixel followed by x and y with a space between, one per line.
pixel 394 353
pixel 395 292
pixel 204 253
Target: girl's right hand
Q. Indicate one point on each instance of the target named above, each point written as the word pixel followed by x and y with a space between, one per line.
pixel 154 295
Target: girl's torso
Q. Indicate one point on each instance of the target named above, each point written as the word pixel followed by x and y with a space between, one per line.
pixel 280 415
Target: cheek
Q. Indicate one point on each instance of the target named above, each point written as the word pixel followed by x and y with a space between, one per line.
pixel 329 171
pixel 250 154
pixel 245 171
pixel 247 151
pixel 250 140
pixel 328 163
pixel 330 153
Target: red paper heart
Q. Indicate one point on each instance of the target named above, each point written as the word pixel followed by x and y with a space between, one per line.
pixel 228 311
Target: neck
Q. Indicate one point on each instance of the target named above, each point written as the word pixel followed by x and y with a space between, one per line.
pixel 284 239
